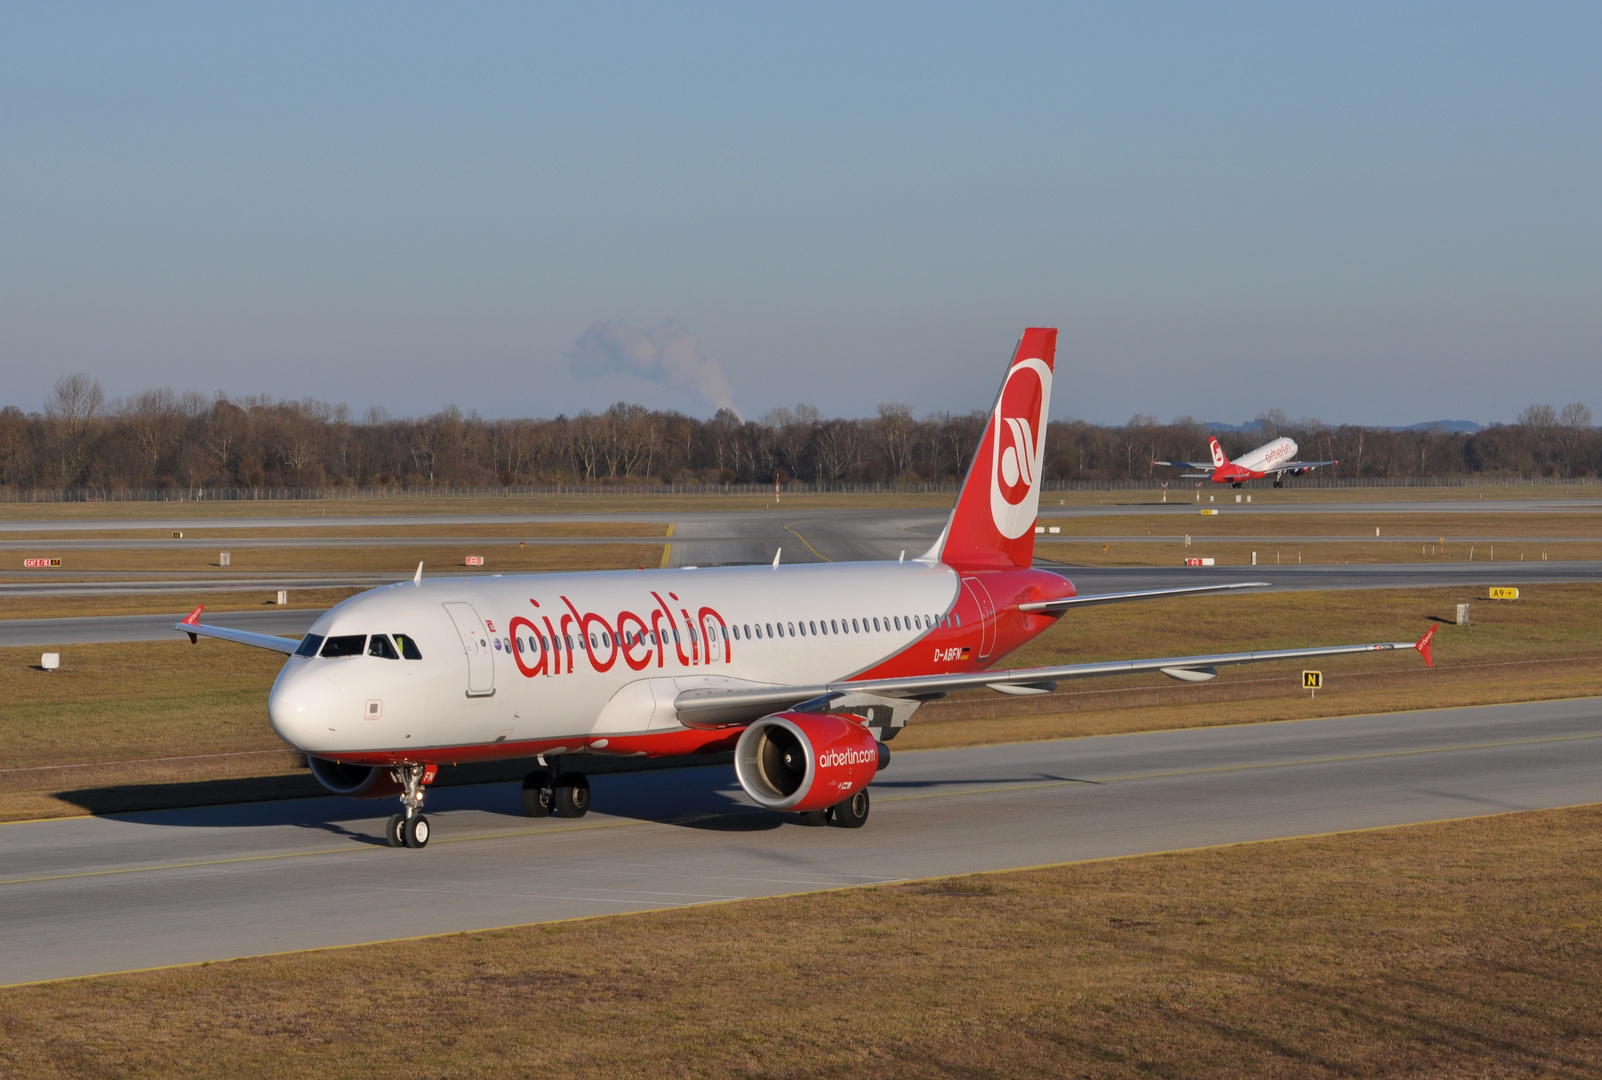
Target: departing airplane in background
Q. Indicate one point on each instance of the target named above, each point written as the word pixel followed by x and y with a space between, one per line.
pixel 1276 459
pixel 804 672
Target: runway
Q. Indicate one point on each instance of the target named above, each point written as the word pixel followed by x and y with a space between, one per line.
pixel 91 895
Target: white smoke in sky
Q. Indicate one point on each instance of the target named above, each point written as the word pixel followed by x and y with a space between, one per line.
pixel 667 353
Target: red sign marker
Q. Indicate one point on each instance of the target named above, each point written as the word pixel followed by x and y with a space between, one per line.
pixel 39 564
pixel 475 560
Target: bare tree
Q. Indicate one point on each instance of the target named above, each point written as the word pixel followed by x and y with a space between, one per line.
pixel 898 437
pixel 72 410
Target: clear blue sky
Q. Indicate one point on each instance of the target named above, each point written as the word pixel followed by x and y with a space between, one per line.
pixel 1382 213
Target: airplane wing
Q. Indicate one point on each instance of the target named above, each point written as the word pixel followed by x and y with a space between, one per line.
pixel 1289 466
pixel 1207 466
pixel 191 625
pixel 712 708
pixel 1144 594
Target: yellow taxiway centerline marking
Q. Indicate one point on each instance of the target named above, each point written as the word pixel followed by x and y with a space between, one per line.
pixel 306 854
pixel 667 549
pixel 803 539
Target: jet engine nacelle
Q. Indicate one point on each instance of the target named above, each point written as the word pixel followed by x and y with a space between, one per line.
pixel 805 761
pixel 354 781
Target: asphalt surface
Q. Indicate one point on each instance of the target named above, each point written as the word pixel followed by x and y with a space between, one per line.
pixel 90 895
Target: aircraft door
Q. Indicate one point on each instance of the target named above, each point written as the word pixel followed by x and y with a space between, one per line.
pixel 987 614
pixel 476 644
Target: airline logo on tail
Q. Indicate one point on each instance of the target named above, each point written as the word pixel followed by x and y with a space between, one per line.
pixel 1219 460
pixel 1019 448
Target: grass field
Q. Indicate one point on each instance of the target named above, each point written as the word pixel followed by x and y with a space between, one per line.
pixel 317 558
pixel 113 703
pixel 1462 949
pixel 666 501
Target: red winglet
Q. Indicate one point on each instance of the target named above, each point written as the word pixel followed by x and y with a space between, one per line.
pixel 1423 644
pixel 193 618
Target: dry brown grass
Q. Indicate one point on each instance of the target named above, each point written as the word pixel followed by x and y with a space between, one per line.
pixel 624 504
pixel 221 535
pixel 499 557
pixel 1453 527
pixel 249 598
pixel 1294 552
pixel 1463 949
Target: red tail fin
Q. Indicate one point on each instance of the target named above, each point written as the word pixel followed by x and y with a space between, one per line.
pixel 993 524
pixel 1219 460
pixel 1423 644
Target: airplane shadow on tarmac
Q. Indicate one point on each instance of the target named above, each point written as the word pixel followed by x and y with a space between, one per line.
pixel 706 798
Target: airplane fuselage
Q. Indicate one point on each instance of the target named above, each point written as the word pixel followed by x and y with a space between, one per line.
pixel 1257 463
pixel 514 666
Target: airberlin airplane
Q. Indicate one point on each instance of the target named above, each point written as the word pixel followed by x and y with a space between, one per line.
pixel 804 672
pixel 1276 459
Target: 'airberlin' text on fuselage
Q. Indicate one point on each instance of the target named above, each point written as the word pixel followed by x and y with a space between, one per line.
pixel 545 641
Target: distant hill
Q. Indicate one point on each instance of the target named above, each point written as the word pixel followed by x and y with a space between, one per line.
pixel 1468 426
pixel 1447 425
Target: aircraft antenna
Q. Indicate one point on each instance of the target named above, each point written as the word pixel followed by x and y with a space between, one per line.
pixel 417 578
pixel 776 555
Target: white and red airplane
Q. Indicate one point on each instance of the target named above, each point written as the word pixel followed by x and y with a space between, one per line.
pixel 1276 459
pixel 804 671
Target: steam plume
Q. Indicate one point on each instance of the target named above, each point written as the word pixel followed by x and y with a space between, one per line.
pixel 667 353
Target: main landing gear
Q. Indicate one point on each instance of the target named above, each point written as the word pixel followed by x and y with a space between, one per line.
pixel 564 794
pixel 408 828
pixel 850 814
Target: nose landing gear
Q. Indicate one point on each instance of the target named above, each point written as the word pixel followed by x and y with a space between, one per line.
pixel 408 828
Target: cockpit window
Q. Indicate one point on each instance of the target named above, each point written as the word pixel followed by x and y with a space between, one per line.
pixel 344 645
pixel 408 647
pixel 378 645
pixel 309 645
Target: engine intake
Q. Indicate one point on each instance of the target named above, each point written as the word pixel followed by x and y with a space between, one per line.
pixel 354 781
pixel 805 761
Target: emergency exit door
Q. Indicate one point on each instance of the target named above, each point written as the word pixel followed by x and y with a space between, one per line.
pixel 476 644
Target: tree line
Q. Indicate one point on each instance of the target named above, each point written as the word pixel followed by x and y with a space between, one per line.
pixel 163 440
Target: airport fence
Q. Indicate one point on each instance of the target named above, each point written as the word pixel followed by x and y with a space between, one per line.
pixel 396 493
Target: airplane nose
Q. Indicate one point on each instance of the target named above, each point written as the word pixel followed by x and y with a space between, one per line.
pixel 304 708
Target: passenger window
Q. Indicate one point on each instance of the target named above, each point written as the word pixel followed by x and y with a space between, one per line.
pixel 309 645
pixel 876 625
pixel 770 629
pixel 408 647
pixel 813 627
pixel 378 645
pixel 569 642
pixel 855 628
pixel 344 645
pixel 898 622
